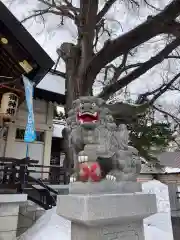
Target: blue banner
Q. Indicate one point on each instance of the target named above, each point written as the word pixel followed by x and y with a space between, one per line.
pixel 30 134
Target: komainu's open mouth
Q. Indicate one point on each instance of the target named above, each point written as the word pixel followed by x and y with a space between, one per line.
pixel 87 117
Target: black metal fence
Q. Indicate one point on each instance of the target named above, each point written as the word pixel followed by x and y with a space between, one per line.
pixel 16 177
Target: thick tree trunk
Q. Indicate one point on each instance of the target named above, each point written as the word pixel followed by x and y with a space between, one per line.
pixel 71 55
pixel 72 92
pixel 76 58
pixel 71 60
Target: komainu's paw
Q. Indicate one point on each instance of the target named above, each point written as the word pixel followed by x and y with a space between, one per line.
pixel 73 178
pixel 82 159
pixel 111 177
pixel 115 175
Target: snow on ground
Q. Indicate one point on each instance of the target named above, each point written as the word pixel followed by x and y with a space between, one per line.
pixel 172 170
pixel 158 226
pixel 49 226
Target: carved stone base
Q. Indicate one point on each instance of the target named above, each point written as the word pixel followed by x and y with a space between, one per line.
pixel 132 231
pixel 105 186
pixel 99 215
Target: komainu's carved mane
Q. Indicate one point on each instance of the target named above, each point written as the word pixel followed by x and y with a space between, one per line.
pixel 94 134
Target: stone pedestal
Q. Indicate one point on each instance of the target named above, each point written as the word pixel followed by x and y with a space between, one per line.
pixel 29 213
pixel 9 210
pixel 111 215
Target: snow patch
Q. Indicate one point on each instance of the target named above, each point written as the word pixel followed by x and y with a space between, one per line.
pixel 49 226
pixel 158 226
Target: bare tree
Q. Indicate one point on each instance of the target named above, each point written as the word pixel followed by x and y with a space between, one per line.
pixel 85 59
pixel 84 62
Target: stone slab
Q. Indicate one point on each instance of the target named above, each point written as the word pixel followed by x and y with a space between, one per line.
pixel 56 187
pixel 9 209
pixel 8 223
pixel 25 221
pixel 11 235
pixel 105 186
pixel 105 209
pixel 13 198
pixel 132 231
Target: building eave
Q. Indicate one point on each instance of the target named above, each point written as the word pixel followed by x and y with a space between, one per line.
pixel 24 38
pixel 48 96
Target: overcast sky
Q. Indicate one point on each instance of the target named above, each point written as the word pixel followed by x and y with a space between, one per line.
pixel 53 34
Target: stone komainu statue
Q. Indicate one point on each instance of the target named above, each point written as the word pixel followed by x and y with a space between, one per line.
pixel 99 147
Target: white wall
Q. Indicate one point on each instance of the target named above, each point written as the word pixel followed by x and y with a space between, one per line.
pixel 36 150
pixel 57 130
pixel 40 112
pixel 41 151
pixel 2 147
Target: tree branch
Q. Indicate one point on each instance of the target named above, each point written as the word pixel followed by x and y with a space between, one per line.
pixel 72 8
pixel 164 89
pixel 177 120
pixel 38 13
pixel 151 6
pixel 105 9
pixel 174 57
pixel 124 69
pixel 61 10
pixel 157 92
pixel 142 33
pixel 144 67
pixel 143 97
pixel 173 28
pixel 64 9
pixel 107 68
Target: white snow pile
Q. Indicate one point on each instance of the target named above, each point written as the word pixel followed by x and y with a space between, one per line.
pixel 49 226
pixel 158 226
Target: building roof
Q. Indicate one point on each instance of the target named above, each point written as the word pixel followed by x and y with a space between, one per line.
pixel 54 81
pixel 170 159
pixel 20 46
pixel 147 168
pixel 52 88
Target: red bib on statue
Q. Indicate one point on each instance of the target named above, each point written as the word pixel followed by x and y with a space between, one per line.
pixel 89 172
